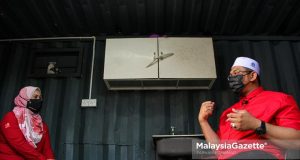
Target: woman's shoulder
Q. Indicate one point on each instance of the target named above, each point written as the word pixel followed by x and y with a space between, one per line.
pixel 45 126
pixel 9 116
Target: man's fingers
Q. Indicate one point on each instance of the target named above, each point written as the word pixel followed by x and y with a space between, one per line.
pixel 232 115
pixel 210 107
pixel 236 110
pixel 209 110
pixel 208 103
pixel 232 120
pixel 207 107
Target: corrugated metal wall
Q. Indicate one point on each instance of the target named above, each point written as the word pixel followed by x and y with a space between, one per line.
pixel 121 126
pixel 145 17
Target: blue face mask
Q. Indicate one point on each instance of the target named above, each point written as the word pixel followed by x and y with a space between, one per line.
pixel 236 83
pixel 35 105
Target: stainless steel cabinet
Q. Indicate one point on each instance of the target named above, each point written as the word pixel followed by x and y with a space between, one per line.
pixel 159 63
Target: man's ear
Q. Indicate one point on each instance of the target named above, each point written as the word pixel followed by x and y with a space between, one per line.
pixel 253 76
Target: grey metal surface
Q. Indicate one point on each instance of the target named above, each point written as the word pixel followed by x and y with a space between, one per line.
pixel 122 125
pixel 176 63
pixel 32 18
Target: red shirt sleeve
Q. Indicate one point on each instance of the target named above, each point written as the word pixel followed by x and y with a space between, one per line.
pixel 15 138
pixel 288 114
pixel 47 150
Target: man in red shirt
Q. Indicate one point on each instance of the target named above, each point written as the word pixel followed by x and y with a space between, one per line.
pixel 23 134
pixel 265 118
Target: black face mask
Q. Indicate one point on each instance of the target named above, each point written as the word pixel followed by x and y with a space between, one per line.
pixel 35 105
pixel 235 83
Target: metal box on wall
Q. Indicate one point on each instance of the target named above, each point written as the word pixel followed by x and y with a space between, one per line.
pixel 55 62
pixel 159 63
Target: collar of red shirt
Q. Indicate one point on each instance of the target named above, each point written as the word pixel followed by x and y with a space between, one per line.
pixel 251 95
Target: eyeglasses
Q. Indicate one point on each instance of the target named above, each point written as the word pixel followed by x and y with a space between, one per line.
pixel 238 72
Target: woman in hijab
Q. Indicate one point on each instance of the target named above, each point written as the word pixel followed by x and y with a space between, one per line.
pixel 23 134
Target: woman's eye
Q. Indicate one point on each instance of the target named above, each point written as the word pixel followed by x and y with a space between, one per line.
pixel 36 97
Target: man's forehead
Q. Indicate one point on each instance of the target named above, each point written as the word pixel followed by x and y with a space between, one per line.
pixel 237 68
